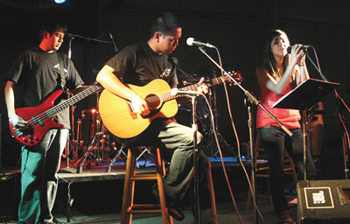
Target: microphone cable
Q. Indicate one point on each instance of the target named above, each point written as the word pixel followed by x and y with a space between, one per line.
pixel 239 152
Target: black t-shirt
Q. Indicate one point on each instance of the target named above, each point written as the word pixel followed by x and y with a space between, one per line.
pixel 38 74
pixel 138 64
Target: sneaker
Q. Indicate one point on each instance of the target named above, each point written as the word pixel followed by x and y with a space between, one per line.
pixel 294 201
pixel 173 208
pixel 284 218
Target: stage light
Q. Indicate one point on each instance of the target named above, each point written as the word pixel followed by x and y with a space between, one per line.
pixel 59 1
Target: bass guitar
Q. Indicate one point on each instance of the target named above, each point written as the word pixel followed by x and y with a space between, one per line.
pixel 119 117
pixel 41 118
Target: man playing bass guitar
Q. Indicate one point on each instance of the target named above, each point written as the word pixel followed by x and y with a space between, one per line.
pixel 39 72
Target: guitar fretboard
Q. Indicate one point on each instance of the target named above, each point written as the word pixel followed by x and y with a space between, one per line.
pixel 71 101
pixel 168 96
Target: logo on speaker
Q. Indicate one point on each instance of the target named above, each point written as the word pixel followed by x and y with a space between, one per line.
pixel 318 197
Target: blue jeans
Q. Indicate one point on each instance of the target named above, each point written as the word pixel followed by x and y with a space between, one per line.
pixel 39 180
pixel 275 141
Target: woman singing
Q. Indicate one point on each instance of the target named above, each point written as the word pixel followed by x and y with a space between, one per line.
pixel 279 74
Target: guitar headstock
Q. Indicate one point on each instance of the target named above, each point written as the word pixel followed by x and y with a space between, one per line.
pixel 236 76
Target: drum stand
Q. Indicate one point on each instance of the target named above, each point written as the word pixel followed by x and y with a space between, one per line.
pixel 72 145
pixel 95 154
pixel 121 151
pixel 95 150
pixel 212 149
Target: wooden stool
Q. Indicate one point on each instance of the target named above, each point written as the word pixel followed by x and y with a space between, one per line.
pixel 289 168
pixel 128 207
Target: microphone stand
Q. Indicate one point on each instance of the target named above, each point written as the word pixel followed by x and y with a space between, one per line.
pixel 342 106
pixel 252 99
pixel 248 94
pixel 70 35
pixel 195 159
pixel 76 146
pixel 251 144
pixel 193 96
pixel 72 111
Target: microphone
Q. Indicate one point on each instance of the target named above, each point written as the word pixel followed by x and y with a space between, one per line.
pixel 187 92
pixel 115 47
pixel 304 47
pixel 176 91
pixel 191 42
pixel 70 35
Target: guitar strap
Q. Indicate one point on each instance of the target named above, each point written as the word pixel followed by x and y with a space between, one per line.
pixel 63 77
pixel 176 63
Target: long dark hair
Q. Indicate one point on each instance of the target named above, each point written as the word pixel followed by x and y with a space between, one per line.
pixel 269 59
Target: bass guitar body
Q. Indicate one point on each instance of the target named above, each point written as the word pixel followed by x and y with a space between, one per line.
pixel 38 126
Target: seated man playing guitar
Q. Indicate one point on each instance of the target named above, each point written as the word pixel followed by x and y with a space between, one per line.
pixel 139 65
pixel 41 73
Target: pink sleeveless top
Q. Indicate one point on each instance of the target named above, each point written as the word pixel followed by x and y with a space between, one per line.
pixel 288 117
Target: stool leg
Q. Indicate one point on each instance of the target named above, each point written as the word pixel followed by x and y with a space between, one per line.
pixel 160 174
pixel 128 196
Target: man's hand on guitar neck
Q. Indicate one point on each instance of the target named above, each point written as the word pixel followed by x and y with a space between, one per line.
pixel 139 105
pixel 202 88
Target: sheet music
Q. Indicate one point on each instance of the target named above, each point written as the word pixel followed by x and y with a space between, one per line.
pixel 308 93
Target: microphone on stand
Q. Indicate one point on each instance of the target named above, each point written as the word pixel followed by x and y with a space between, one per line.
pixel 176 92
pixel 191 42
pixel 304 47
pixel 188 92
pixel 70 35
pixel 112 40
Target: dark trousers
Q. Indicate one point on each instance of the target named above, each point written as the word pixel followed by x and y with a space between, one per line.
pixel 275 141
pixel 176 142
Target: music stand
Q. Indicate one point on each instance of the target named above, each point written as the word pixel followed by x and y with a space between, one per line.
pixel 302 98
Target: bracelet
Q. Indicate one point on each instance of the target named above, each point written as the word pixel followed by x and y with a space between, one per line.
pixel 301 65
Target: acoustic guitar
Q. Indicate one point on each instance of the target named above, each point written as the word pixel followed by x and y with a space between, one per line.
pixel 121 120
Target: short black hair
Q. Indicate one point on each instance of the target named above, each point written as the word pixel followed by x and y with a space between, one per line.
pixel 51 27
pixel 164 23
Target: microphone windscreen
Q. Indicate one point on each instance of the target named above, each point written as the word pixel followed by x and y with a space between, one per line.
pixel 189 41
pixel 289 49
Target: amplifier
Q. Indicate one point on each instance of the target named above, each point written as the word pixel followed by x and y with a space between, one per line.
pixel 323 201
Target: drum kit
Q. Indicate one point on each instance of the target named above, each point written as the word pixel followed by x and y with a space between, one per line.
pixel 89 139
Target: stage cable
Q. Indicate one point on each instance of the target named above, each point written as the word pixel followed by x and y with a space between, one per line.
pixel 238 149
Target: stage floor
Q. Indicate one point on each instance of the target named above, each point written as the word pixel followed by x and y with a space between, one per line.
pixel 95 171
pixel 95 195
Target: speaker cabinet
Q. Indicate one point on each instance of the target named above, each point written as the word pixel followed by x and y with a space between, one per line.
pixel 323 201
